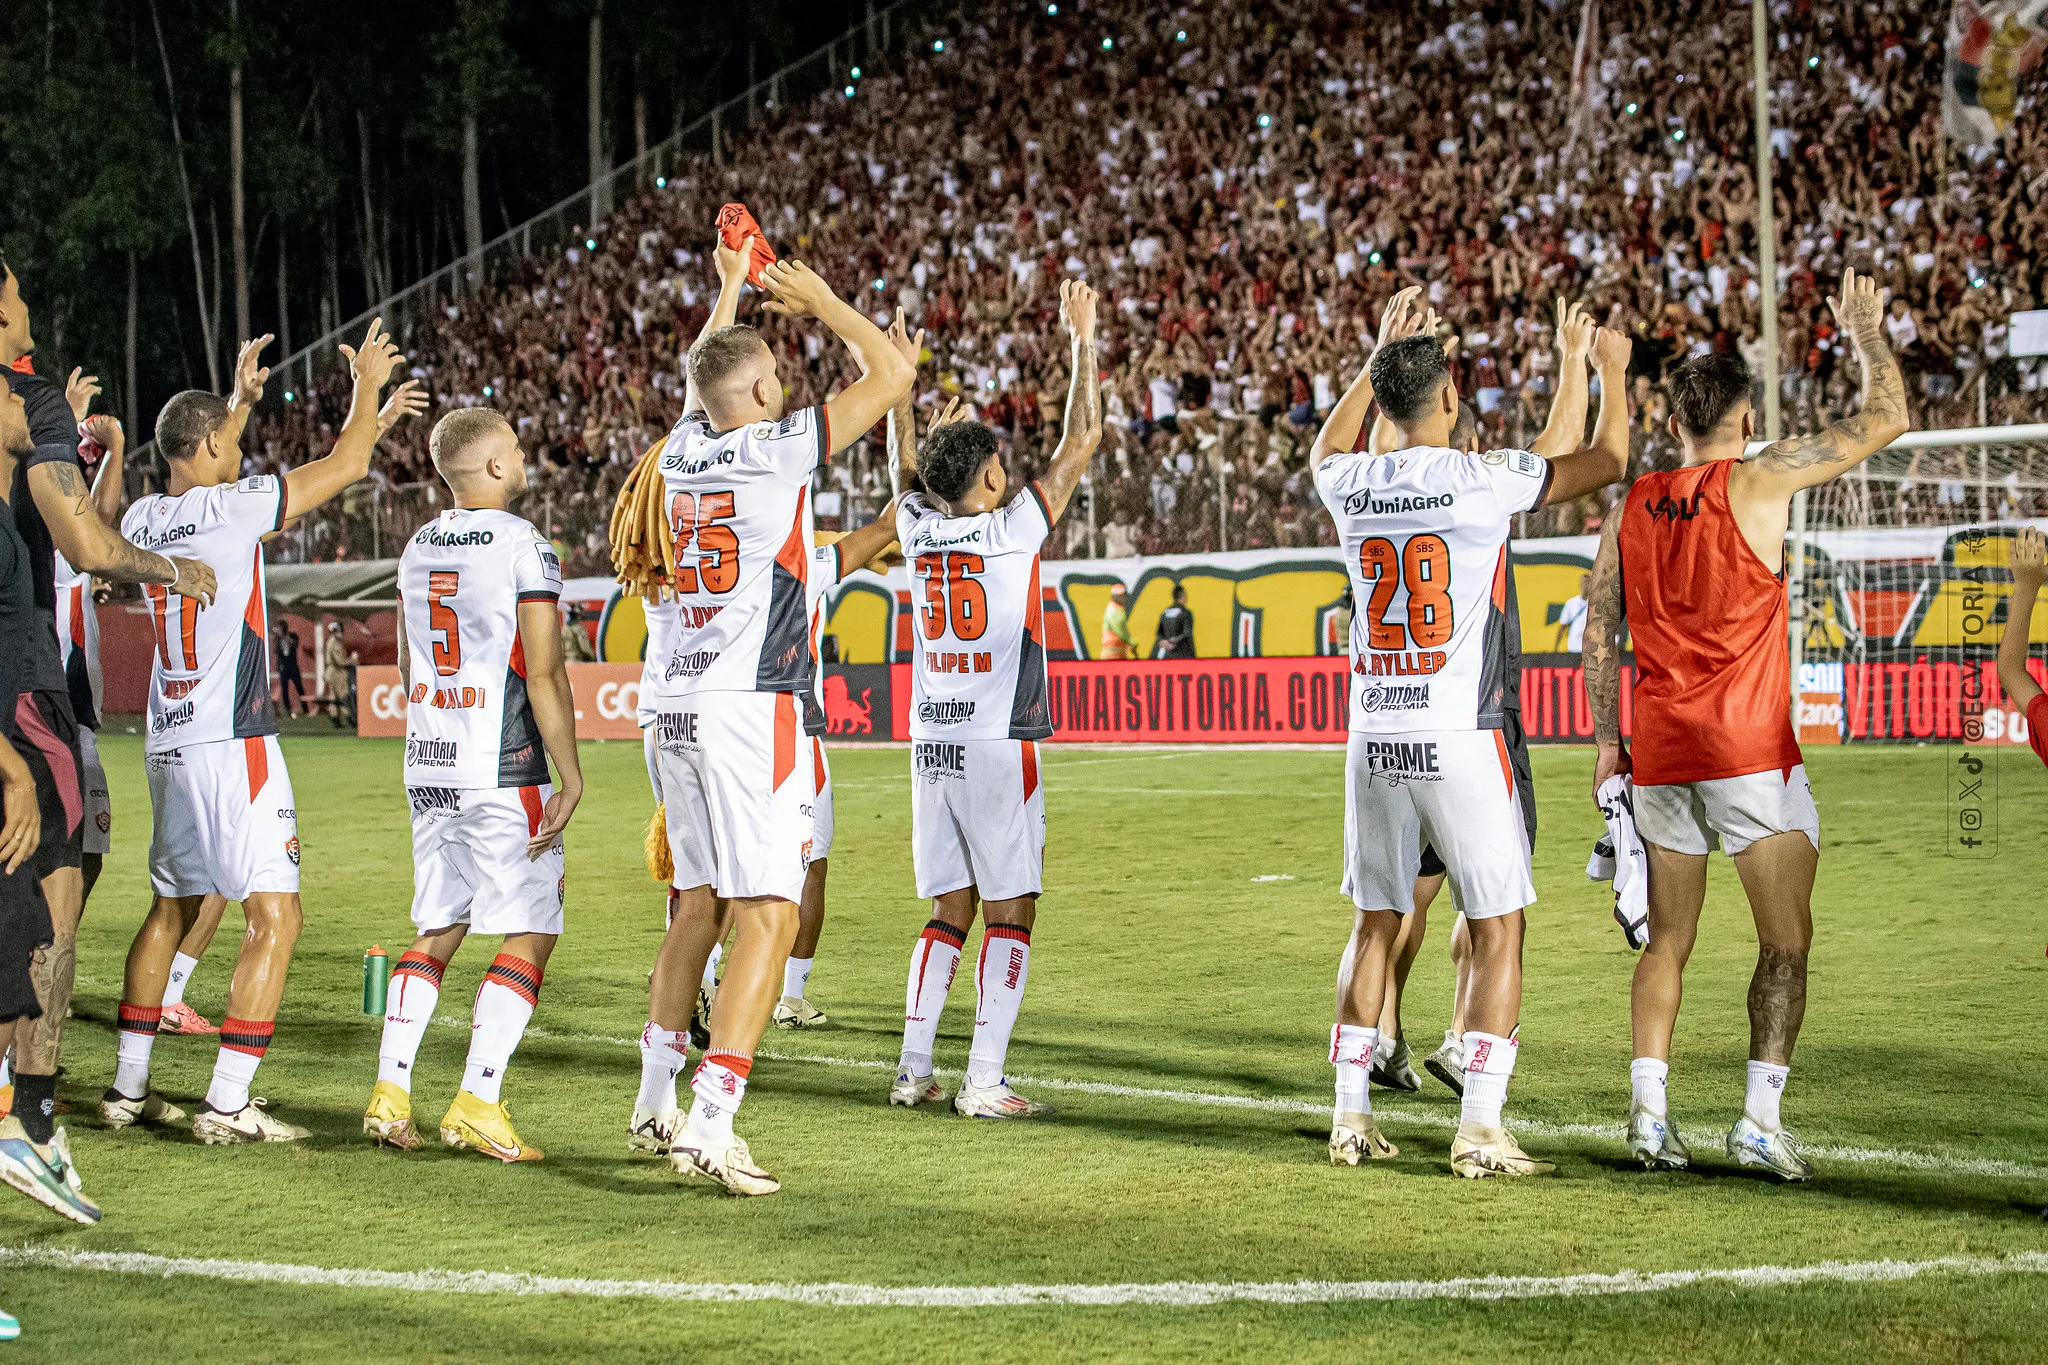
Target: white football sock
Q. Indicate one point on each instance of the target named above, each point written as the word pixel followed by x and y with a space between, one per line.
pixel 934 958
pixel 233 1073
pixel 1766 1088
pixel 999 977
pixel 663 1055
pixel 504 1003
pixel 717 1089
pixel 1351 1052
pixel 181 975
pixel 711 968
pixel 408 1008
pixel 1646 1077
pixel 796 974
pixel 1489 1062
pixel 134 1042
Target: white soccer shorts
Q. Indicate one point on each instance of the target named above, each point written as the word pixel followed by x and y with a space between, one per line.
pixel 223 820
pixel 469 863
pixel 977 817
pixel 1728 812
pixel 99 806
pixel 1451 789
pixel 821 802
pixel 736 782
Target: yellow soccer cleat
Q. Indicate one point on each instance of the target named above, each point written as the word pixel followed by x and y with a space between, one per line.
pixel 389 1117
pixel 474 1126
pixel 1477 1153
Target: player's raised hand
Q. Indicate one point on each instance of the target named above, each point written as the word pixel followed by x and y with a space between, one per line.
pixel 794 289
pixel 106 429
pixel 554 818
pixel 732 261
pixel 23 829
pixel 1574 331
pixel 194 580
pixel 1401 318
pixel 2029 551
pixel 1611 350
pixel 250 374
pixel 1077 307
pixel 372 362
pixel 1860 305
pixel 910 347
pixel 79 391
pixel 954 411
pixel 407 400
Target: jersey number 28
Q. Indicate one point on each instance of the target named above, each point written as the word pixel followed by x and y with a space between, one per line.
pixel 1423 566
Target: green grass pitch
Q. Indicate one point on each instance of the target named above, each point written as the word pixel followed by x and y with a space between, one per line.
pixel 1163 964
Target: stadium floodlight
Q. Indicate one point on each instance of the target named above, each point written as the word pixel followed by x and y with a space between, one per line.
pixel 1375 258
pixel 1052 9
pixel 878 286
pixel 938 44
pixel 2030 332
pixel 487 390
pixel 1108 43
pixel 849 92
pixel 661 182
pixel 289 396
pixel 1265 120
pixel 1631 107
pixel 590 243
pixel 1812 62
pixel 855 73
pixel 1678 134
pixel 1181 36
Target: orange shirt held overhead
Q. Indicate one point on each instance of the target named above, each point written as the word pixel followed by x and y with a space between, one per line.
pixel 1713 670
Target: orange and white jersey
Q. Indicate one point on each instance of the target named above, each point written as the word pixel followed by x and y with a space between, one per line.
pixel 461 579
pixel 1425 535
pixel 826 571
pixel 980 634
pixel 660 613
pixel 78 641
pixel 211 678
pixel 739 508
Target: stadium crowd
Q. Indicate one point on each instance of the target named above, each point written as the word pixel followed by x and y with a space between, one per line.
pixel 1231 178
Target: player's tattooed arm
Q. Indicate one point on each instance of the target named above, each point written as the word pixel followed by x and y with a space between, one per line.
pixel 1803 461
pixel 1777 1003
pixel 91 546
pixel 902 430
pixel 1083 432
pixel 1605 614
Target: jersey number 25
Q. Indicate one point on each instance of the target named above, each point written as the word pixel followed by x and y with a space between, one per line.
pixel 696 517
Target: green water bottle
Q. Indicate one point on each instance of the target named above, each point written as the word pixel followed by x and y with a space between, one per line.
pixel 376 979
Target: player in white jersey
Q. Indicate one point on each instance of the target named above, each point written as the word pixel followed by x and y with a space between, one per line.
pixel 736 474
pixel 978 709
pixel 221 802
pixel 487 705
pixel 1424 529
pixel 78 624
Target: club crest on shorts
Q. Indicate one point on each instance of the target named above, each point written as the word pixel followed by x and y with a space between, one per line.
pixel 291 849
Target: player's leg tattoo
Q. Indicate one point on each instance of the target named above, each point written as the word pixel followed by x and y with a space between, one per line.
pixel 1777 1003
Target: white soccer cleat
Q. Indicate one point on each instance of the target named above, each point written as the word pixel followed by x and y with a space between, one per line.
pixel 996 1101
pixel 250 1124
pixel 1775 1152
pixel 1653 1141
pixel 1477 1153
pixel 1359 1139
pixel 910 1090
pixel 118 1111
pixel 1447 1063
pixel 1393 1071
pixel 730 1164
pixel 793 1011
pixel 653 1132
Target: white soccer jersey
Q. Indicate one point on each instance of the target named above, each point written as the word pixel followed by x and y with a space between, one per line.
pixel 980 669
pixel 1425 536
pixel 211 678
pixel 740 511
pixel 661 624
pixel 78 641
pixel 826 571
pixel 460 582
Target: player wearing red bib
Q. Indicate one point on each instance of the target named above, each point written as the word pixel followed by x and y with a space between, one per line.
pixel 488 704
pixel 736 472
pixel 1693 561
pixel 221 801
pixel 1424 529
pixel 978 710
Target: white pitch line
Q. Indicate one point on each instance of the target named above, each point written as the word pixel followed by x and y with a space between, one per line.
pixel 1167 1294
pixel 1875 1156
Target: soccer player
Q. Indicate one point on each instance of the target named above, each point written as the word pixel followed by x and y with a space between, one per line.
pixel 737 470
pixel 223 821
pixel 488 704
pixel 78 624
pixel 978 710
pixel 54 513
pixel 1424 530
pixel 35 1154
pixel 2020 687
pixel 1694 562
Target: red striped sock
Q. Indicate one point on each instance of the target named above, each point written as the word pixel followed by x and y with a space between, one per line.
pixel 504 1004
pixel 243 1042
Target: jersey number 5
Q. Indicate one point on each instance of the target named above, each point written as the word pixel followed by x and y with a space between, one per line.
pixel 695 517
pixel 951 596
pixel 1423 566
pixel 441 620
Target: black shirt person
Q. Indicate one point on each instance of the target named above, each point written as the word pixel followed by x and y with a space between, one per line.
pixel 1176 629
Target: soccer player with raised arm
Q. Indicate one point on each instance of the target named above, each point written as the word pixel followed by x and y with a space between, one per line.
pixel 2028 569
pixel 1424 529
pixel 728 730
pixel 978 710
pixel 223 820
pixel 487 705
pixel 1694 562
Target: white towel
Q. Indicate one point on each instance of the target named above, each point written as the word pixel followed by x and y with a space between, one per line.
pixel 1618 857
